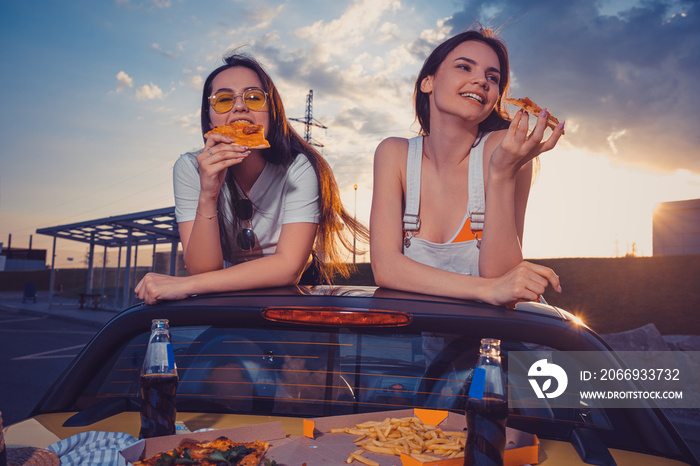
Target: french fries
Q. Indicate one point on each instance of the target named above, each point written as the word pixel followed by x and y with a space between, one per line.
pixel 394 436
pixel 357 455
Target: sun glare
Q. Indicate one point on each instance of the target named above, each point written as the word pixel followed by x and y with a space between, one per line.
pixel 583 206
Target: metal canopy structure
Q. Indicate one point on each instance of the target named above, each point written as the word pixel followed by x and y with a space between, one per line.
pixel 151 227
pixel 139 228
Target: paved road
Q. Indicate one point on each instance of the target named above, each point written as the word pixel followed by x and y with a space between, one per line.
pixel 34 350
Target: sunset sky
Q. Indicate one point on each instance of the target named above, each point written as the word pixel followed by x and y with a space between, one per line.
pixel 98 99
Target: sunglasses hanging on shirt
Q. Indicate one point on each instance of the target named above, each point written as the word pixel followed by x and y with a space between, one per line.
pixel 243 209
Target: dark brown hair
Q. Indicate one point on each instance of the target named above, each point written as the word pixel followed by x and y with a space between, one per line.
pixel 498 119
pixel 285 145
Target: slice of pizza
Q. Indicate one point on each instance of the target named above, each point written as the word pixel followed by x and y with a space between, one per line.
pixel 219 451
pixel 243 133
pixel 223 449
pixel 533 109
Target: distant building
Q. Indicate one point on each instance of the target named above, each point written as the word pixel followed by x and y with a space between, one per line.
pixel 22 259
pixel 161 263
pixel 676 228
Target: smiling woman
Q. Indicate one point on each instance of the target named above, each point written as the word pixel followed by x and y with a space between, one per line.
pixel 252 216
pixel 449 205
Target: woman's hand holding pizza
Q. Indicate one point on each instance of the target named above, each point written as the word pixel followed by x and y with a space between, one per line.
pixel 520 145
pixel 220 152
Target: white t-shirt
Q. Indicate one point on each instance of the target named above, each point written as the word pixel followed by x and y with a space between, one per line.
pixel 280 195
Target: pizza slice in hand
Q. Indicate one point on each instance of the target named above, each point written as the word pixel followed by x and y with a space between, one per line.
pixel 243 133
pixel 533 109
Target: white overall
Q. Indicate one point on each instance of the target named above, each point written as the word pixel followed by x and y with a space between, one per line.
pixel 460 257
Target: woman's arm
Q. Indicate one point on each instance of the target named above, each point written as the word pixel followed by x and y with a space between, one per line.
pixel 283 268
pixel 508 180
pixel 504 220
pixel 200 237
pixel 201 243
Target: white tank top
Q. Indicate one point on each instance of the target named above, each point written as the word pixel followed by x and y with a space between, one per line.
pixel 460 257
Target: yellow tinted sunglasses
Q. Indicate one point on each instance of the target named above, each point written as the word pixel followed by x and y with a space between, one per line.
pixel 222 101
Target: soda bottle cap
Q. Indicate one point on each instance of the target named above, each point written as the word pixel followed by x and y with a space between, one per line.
pixel 159 323
pixel 491 341
pixel 490 347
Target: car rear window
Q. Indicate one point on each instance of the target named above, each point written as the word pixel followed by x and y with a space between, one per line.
pixel 310 372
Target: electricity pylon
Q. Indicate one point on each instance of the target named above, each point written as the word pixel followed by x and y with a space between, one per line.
pixel 309 120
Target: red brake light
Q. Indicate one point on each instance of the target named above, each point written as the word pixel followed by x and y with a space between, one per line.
pixel 337 316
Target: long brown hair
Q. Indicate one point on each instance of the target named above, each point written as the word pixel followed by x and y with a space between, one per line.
pixel 498 118
pixel 285 145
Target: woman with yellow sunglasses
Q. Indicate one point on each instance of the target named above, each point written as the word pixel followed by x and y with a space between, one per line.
pixel 253 218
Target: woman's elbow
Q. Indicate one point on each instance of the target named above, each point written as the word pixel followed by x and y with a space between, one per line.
pixel 291 275
pixel 291 281
pixel 197 265
pixel 195 270
pixel 381 273
pixel 490 270
pixel 287 278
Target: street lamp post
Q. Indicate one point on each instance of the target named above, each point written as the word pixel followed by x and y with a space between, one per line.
pixel 354 235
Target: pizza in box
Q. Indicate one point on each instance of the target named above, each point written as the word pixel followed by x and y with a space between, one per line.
pixel 221 451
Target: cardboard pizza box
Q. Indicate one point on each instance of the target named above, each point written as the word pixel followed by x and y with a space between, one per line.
pixel 521 447
pixel 318 447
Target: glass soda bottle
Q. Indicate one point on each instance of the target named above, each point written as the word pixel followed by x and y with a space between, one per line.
pixel 487 408
pixel 158 383
pixel 3 450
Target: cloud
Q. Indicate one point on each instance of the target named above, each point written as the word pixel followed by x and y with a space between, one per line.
pixel 352 136
pixel 124 81
pixel 145 92
pixel 612 137
pixel 139 4
pixel 149 92
pixel 360 19
pixel 195 82
pixel 365 121
pixel 628 77
pixel 362 73
pixel 625 79
pixel 263 16
pixel 325 63
pixel 191 123
pixel 167 54
pixel 389 32
pixel 252 17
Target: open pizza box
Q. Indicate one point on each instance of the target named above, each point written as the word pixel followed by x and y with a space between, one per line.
pixel 271 432
pixel 319 444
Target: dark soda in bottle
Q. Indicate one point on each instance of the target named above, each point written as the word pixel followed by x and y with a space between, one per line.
pixel 3 450
pixel 487 408
pixel 158 384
